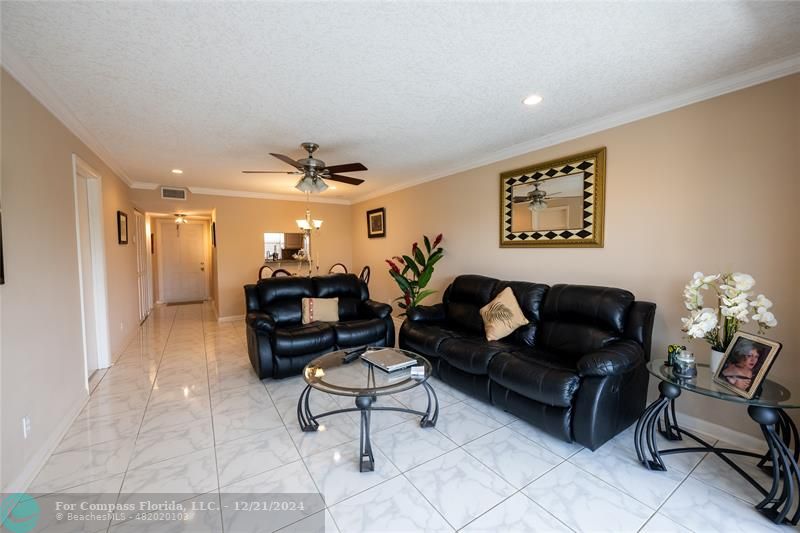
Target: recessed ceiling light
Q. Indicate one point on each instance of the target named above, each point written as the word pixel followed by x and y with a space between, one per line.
pixel 532 99
pixel 177 171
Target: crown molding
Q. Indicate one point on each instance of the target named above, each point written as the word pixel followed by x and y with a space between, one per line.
pixel 728 84
pixel 267 196
pixel 150 186
pixel 28 78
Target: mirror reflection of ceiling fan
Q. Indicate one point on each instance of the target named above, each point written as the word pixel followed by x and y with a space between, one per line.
pixel 314 171
pixel 537 198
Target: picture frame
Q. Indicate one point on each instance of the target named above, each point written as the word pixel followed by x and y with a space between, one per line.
pixel 214 234
pixel 376 223
pixel 556 204
pixel 746 364
pixel 122 228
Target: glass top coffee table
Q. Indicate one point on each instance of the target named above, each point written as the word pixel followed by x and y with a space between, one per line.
pixel 766 408
pixel 333 374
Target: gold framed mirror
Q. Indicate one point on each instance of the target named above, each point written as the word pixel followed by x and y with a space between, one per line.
pixel 557 203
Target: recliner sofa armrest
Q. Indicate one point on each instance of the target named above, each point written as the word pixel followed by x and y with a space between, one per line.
pixel 426 313
pixel 616 358
pixel 261 322
pixel 375 309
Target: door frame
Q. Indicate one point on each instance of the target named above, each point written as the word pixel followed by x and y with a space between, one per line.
pixel 143 283
pixel 160 223
pixel 94 193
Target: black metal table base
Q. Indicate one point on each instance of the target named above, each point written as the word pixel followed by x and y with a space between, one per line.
pixel 364 405
pixel 780 461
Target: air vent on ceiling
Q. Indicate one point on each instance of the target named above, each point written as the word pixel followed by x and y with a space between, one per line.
pixel 173 193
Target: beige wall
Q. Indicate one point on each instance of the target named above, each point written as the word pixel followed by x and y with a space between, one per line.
pixel 42 355
pixel 241 224
pixel 709 187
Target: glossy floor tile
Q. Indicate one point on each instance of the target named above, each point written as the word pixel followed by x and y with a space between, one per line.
pixel 182 411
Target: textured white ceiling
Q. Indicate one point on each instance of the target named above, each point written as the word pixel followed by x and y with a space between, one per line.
pixel 411 90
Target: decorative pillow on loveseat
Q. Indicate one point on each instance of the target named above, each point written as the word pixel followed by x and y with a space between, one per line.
pixel 320 309
pixel 502 316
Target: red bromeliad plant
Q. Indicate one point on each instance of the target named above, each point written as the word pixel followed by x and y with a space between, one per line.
pixel 413 272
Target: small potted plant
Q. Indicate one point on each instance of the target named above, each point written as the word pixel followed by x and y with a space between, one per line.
pixel 412 273
pixel 735 307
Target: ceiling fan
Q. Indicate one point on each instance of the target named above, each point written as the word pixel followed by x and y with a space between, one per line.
pixel 536 199
pixel 314 171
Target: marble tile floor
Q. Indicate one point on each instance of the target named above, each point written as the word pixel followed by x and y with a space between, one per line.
pixel 181 410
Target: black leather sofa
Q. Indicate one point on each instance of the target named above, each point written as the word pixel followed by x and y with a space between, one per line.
pixel 577 371
pixel 280 345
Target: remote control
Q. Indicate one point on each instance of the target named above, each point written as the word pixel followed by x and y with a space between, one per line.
pixel 353 355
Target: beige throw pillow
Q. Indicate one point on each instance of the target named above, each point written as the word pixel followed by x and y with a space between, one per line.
pixel 322 309
pixel 502 315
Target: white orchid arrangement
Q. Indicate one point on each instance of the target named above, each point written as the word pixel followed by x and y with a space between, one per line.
pixel 736 306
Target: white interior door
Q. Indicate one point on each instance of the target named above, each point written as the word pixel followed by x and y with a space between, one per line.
pixel 183 261
pixel 91 266
pixel 87 276
pixel 142 256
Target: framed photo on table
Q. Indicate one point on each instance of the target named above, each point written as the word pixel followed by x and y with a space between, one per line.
pixel 746 364
pixel 376 223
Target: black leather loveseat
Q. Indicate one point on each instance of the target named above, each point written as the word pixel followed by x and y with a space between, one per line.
pixel 577 370
pixel 280 345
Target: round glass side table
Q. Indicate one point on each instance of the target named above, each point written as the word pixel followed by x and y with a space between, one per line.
pixel 333 373
pixel 767 409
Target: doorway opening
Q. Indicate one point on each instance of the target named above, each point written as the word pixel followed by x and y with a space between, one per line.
pixel 88 193
pixel 182 256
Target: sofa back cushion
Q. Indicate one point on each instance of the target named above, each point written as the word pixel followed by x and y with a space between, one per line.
pixel 578 319
pixel 281 297
pixel 464 299
pixel 529 297
pixel 350 291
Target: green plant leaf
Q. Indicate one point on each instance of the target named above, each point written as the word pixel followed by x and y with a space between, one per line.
pixel 420 257
pixel 427 243
pixel 401 281
pixel 422 295
pixel 411 264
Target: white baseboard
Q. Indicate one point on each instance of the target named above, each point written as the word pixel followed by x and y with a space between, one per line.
pixel 35 464
pixel 231 318
pixel 728 435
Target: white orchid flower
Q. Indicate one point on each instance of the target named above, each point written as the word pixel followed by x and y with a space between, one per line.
pixel 761 301
pixel 743 282
pixel 765 317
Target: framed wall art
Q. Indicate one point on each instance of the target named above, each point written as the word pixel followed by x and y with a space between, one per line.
pixel 376 223
pixel 557 203
pixel 122 228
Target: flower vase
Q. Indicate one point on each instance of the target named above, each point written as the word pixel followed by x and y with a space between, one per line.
pixel 716 360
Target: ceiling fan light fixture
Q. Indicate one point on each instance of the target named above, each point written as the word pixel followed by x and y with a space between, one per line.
pixel 308 184
pixel 538 205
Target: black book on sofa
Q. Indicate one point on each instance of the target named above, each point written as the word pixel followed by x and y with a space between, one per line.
pixel 280 345
pixel 577 370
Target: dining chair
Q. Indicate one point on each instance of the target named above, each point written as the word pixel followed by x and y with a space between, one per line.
pixel 338 268
pixel 364 276
pixel 265 272
pixel 281 272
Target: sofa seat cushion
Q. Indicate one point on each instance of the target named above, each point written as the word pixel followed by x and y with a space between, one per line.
pixel 359 332
pixel 303 339
pixel 426 338
pixel 535 374
pixel 471 354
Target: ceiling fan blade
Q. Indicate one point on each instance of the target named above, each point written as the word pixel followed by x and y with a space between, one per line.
pixel 269 172
pixel 344 179
pixel 286 159
pixel 518 199
pixel 349 167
